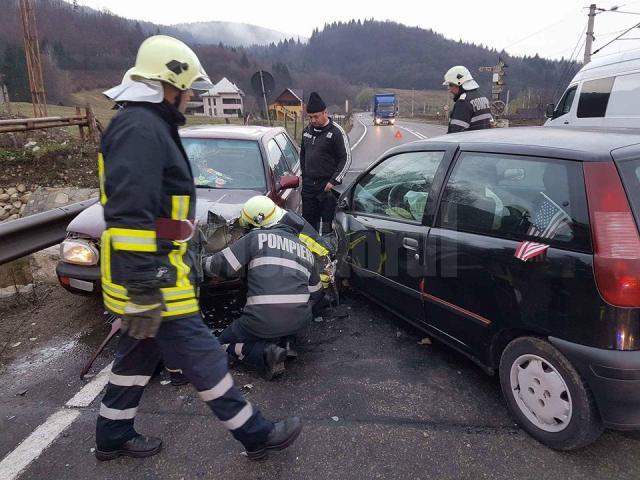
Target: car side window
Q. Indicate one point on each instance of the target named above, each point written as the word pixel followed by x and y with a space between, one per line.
pixel 290 153
pixel 625 96
pixel 517 198
pixel 398 187
pixel 277 160
pixel 564 106
pixel 594 98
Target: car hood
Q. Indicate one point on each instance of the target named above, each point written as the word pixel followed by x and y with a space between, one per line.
pixel 224 203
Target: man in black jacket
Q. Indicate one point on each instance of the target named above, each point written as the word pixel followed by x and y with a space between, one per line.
pixel 325 157
pixel 471 110
pixel 282 284
pixel 148 276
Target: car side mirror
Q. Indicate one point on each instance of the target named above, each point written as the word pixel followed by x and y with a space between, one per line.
pixel 287 182
pixel 343 203
pixel 550 110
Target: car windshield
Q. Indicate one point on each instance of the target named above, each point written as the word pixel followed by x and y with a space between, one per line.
pixel 387 108
pixel 225 163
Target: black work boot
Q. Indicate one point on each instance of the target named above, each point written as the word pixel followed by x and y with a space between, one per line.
pixel 283 434
pixel 177 378
pixel 333 313
pixel 290 348
pixel 274 357
pixel 138 447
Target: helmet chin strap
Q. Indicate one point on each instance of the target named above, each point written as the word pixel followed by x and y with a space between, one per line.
pixel 178 100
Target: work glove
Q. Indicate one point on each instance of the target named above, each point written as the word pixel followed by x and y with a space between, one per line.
pixel 142 313
pixel 206 267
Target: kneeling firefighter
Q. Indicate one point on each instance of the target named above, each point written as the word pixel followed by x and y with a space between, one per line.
pixel 282 286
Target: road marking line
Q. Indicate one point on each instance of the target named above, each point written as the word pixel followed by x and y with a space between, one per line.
pixel 360 139
pixel 32 447
pixel 417 134
pixel 91 390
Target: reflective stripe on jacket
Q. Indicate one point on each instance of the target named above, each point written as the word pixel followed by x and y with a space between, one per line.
pixel 472 111
pixel 282 282
pixel 145 175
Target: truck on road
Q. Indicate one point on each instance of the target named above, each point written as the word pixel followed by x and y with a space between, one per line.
pixel 385 108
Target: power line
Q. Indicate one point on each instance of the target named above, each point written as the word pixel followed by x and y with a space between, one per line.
pixel 568 67
pixel 609 43
pixel 618 11
pixel 539 31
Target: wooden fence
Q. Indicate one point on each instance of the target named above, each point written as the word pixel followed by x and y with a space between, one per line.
pixel 87 121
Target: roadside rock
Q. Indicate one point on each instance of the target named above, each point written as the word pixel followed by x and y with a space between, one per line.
pixel 13 202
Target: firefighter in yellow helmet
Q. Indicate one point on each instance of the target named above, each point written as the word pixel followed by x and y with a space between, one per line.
pixel 148 278
pixel 282 283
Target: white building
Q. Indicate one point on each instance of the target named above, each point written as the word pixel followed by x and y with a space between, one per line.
pixel 224 100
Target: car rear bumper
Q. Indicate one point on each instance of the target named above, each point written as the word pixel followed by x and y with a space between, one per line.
pixel 614 378
pixel 78 278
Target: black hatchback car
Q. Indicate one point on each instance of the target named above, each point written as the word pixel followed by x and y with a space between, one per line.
pixel 519 248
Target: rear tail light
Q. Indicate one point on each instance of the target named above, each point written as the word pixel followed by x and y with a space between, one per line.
pixel 616 243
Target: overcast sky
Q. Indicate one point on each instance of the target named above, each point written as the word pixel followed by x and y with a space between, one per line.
pixel 551 28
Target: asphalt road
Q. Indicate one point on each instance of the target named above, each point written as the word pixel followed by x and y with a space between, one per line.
pixel 376 403
pixel 368 142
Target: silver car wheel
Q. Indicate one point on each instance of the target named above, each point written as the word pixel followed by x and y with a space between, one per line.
pixel 541 393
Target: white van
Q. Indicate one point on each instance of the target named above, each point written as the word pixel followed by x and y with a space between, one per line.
pixel 605 92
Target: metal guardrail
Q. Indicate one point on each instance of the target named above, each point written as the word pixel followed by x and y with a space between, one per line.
pixel 27 235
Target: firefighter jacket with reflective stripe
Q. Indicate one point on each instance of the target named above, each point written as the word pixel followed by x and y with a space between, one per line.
pixel 282 283
pixel 306 233
pixel 325 154
pixel 470 112
pixel 145 175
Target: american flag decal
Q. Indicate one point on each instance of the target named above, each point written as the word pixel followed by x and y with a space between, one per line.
pixel 547 221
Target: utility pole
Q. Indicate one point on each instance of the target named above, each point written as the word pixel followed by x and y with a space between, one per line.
pixel 589 42
pixel 32 52
pixel 412 96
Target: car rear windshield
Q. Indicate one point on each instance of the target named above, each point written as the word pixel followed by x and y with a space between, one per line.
pixel 224 163
pixel 630 171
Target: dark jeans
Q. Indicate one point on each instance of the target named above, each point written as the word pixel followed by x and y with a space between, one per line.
pixel 189 345
pixel 318 205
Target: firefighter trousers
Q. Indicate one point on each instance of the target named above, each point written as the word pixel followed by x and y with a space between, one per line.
pixel 187 344
pixel 243 345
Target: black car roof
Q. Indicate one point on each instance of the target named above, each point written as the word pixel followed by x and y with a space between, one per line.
pixel 587 144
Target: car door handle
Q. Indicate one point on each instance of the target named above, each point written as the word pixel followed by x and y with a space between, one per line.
pixel 410 243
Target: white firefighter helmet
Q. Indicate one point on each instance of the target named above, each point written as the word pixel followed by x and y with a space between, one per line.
pixel 460 76
pixel 260 211
pixel 169 60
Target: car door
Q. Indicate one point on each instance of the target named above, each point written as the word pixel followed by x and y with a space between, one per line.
pixel 561 114
pixel 292 157
pixel 491 266
pixel 386 235
pixel 279 168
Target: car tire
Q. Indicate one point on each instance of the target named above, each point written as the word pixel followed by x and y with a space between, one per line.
pixel 547 396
